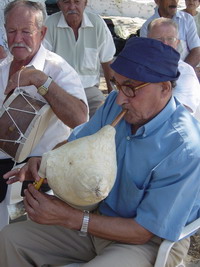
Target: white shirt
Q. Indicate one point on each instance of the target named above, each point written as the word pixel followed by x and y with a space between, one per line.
pixel 65 76
pixel 197 21
pixel 95 45
pixel 187 89
pixel 188 36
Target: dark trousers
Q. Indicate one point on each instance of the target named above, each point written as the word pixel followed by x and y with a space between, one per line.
pixel 5 166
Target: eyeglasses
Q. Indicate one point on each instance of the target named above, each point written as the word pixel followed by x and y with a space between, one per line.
pixel 127 88
pixel 168 40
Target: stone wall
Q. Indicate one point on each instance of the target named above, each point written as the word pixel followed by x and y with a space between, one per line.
pixel 125 8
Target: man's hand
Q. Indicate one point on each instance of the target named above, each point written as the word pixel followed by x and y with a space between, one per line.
pixel 3 53
pixel 29 172
pixel 197 71
pixel 47 209
pixel 24 77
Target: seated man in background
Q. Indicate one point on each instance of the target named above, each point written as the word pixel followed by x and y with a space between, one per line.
pixel 192 8
pixel 187 89
pixel 158 153
pixel 62 89
pixel 85 42
pixel 189 46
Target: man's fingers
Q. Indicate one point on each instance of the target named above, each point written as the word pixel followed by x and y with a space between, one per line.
pixel 11 173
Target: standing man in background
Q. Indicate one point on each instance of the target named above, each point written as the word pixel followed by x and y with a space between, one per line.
pixel 85 42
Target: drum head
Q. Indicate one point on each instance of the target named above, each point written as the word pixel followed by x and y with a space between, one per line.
pixel 23 120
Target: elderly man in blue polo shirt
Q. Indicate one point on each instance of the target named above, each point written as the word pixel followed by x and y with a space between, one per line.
pixel 157 187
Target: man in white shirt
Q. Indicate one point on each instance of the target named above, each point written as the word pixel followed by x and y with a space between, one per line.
pixel 24 23
pixel 85 42
pixel 187 89
pixel 189 46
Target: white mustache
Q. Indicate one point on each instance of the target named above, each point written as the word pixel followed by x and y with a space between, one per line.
pixel 20 45
pixel 72 12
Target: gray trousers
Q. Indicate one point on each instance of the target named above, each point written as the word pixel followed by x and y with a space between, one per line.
pixel 27 244
pixel 95 99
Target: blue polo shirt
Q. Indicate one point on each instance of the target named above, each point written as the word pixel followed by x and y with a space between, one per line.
pixel 157 180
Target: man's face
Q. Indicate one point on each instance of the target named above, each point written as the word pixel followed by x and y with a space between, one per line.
pixel 24 36
pixel 192 4
pixel 165 33
pixel 167 8
pixel 72 10
pixel 147 103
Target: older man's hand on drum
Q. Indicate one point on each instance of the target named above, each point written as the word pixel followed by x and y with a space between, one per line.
pixel 24 77
pixel 76 111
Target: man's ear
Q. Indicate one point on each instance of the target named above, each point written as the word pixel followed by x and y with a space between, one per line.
pixel 166 87
pixel 178 42
pixel 43 32
pixel 58 4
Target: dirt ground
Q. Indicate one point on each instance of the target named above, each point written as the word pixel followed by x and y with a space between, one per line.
pixel 193 257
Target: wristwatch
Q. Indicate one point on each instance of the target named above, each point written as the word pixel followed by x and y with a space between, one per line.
pixel 84 227
pixel 43 89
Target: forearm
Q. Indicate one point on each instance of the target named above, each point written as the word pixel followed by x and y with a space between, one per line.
pixel 71 110
pixel 118 229
pixel 193 58
pixel 111 228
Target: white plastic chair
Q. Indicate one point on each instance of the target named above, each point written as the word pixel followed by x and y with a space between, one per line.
pixel 165 247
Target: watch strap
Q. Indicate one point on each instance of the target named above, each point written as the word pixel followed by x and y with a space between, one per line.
pixel 84 227
pixel 43 89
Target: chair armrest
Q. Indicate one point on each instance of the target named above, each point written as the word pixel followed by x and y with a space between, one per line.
pixel 163 253
pixel 190 228
pixel 166 245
